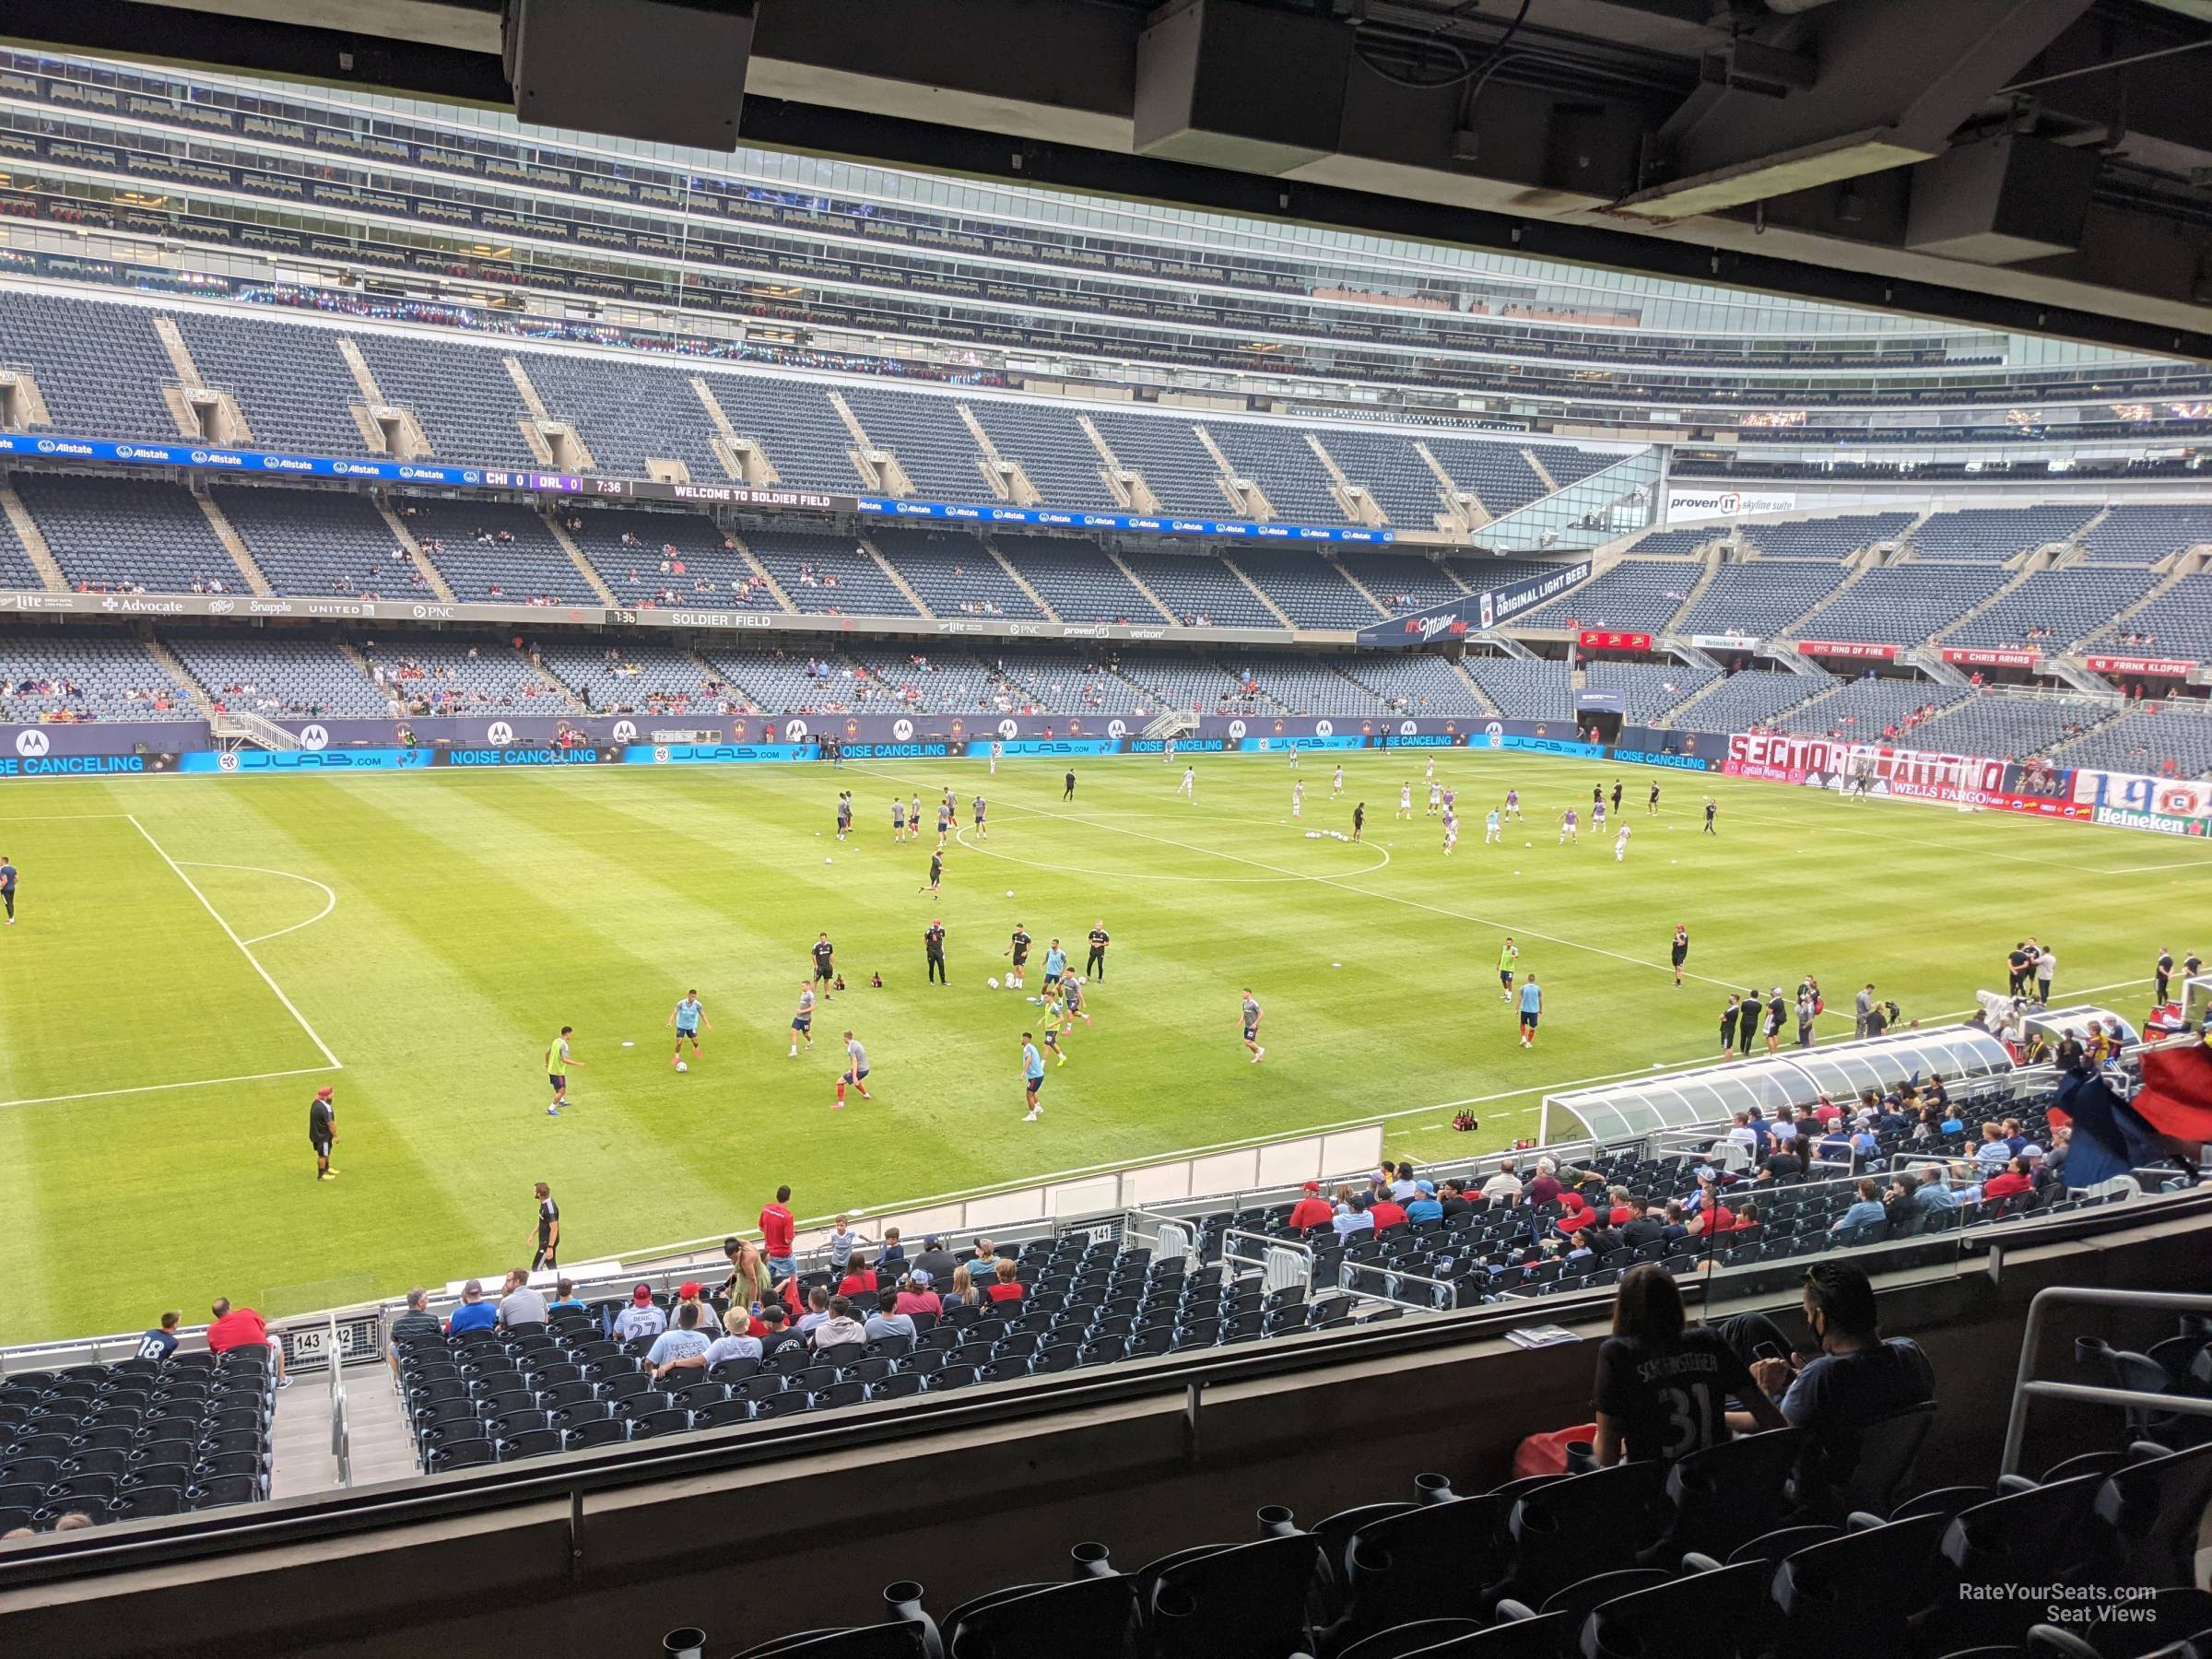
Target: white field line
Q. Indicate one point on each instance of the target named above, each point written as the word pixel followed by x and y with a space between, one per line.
pixel 329 898
pixel 102 1094
pixel 229 933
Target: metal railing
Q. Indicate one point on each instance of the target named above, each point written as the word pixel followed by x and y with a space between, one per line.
pixel 1273 1261
pixel 2028 1386
pixel 341 1435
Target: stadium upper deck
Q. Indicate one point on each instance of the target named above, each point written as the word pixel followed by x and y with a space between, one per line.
pixel 251 178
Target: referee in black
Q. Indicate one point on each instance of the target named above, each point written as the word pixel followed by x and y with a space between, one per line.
pixel 933 946
pixel 1099 939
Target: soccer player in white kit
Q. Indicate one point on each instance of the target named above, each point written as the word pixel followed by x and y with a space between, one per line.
pixel 996 750
pixel 1430 774
pixel 1436 799
pixel 1451 832
pixel 1297 799
pixel 1189 786
pixel 1620 845
pixel 1336 787
pixel 1404 800
pixel 1490 831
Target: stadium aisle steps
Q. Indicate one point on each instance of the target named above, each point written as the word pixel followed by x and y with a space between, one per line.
pixel 381 1445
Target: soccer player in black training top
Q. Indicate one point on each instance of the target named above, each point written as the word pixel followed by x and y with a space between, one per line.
pixel 1019 950
pixel 1099 939
pixel 1068 794
pixel 1748 1023
pixel 1616 798
pixel 1728 1018
pixel 1711 808
pixel 933 946
pixel 2164 974
pixel 322 1130
pixel 1680 953
pixel 825 963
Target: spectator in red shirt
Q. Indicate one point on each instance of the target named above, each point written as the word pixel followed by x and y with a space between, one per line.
pixel 1620 1211
pixel 2014 1179
pixel 1312 1210
pixel 916 1296
pixel 1387 1211
pixel 242 1328
pixel 859 1276
pixel 1579 1214
pixel 778 1229
pixel 1007 1287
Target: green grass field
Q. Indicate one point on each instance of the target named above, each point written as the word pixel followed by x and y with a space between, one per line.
pixel 193 953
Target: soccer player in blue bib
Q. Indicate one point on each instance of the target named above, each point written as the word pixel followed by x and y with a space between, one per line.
pixel 686 1017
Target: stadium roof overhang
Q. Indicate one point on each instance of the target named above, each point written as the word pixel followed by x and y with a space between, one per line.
pixel 1797 1078
pixel 2043 166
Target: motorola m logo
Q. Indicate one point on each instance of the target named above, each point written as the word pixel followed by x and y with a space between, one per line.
pixel 314 737
pixel 1009 728
pixel 902 730
pixel 795 732
pixel 499 732
pixel 626 731
pixel 1494 734
pixel 1406 728
pixel 32 744
pixel 1324 728
pixel 1236 730
pixel 1117 729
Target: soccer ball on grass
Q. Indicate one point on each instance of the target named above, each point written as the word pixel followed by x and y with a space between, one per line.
pixel 992 982
pixel 683 1065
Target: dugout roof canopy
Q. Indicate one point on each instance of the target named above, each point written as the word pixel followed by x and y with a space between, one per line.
pixel 1797 1079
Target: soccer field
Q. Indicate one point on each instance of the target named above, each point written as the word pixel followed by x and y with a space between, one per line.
pixel 195 956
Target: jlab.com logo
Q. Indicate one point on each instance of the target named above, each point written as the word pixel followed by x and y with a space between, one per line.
pixel 626 731
pixel 660 754
pixel 313 737
pixel 498 732
pixel 903 731
pixel 30 744
pixel 228 762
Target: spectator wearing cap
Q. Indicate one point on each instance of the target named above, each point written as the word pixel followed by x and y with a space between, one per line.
pixel 1453 1199
pixel 520 1305
pixel 691 1293
pixel 1311 1210
pixel 641 1319
pixel 934 1260
pixel 474 1313
pixel 916 1296
pixel 775 1330
pixel 984 1262
pixel 887 1321
pixel 1386 1211
pixel 1425 1206
pixel 736 1342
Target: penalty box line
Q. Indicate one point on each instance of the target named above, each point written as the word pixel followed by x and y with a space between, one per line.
pixel 1342 885
pixel 276 990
